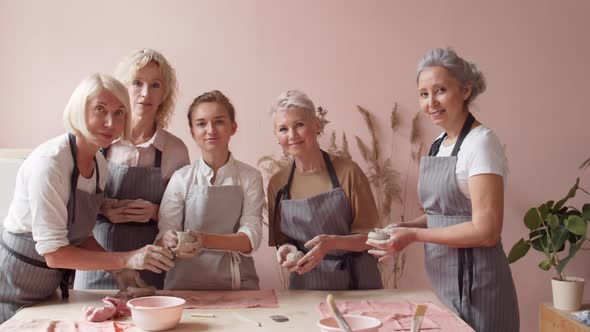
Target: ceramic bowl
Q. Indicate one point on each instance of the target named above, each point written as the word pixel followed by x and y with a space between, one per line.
pixel 156 313
pixel 357 324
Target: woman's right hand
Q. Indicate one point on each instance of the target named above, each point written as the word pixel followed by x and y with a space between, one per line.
pixel 113 210
pixel 282 253
pixel 169 239
pixel 150 257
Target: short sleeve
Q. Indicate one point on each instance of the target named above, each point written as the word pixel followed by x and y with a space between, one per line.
pixel 486 156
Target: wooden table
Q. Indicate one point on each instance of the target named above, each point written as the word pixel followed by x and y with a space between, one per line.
pixel 554 320
pixel 299 306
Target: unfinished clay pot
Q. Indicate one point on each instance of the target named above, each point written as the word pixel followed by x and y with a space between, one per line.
pixel 379 236
pixel 294 257
pixel 183 239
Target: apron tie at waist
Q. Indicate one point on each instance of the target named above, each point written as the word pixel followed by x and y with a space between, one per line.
pixel 234 267
pixel 465 262
pixel 236 282
pixel 67 274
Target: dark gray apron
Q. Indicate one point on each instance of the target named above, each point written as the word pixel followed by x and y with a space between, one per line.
pixel 475 282
pixel 213 209
pixel 326 213
pixel 25 278
pixel 126 182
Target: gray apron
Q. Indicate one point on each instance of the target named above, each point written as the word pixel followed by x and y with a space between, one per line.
pixel 474 282
pixel 326 213
pixel 25 278
pixel 213 209
pixel 126 182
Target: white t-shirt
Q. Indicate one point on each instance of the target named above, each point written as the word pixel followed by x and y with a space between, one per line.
pixel 42 191
pixel 232 173
pixel 480 153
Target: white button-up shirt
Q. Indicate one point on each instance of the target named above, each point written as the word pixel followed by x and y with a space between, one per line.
pixel 42 191
pixel 174 152
pixel 232 173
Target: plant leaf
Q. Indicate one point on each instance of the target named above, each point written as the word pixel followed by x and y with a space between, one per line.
pixel 540 242
pixel 569 195
pixel 586 211
pixel 574 247
pixel 552 220
pixel 576 225
pixel 558 237
pixel 532 219
pixel 518 251
pixel 545 265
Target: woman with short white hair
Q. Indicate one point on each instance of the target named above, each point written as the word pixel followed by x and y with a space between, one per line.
pixel 59 189
pixel 140 165
pixel 322 205
pixel 461 189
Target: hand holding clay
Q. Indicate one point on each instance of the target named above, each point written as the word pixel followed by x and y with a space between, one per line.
pixel 188 244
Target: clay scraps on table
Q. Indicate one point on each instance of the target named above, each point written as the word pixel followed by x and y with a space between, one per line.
pixel 113 308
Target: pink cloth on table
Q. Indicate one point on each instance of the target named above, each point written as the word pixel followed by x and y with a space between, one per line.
pixel 113 308
pixel 397 316
pixel 46 325
pixel 265 298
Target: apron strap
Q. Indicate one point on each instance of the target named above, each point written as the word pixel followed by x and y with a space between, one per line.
pixel 158 159
pixel 76 174
pixel 464 131
pixel 68 275
pixel 236 281
pixel 465 263
pixel 21 257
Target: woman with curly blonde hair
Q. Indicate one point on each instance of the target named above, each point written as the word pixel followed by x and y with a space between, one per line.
pixel 139 166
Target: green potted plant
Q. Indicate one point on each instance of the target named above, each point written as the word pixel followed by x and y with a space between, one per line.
pixel 553 228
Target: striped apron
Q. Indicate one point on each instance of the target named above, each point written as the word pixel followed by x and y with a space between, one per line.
pixel 326 213
pixel 213 209
pixel 25 278
pixel 474 282
pixel 126 182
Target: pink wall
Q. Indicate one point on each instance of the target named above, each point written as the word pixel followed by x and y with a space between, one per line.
pixel 342 53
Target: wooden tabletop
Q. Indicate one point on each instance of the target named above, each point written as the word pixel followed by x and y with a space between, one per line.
pixel 299 306
pixel 554 320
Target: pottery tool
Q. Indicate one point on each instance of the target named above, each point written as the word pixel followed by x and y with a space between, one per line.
pixel 418 317
pixel 337 314
pixel 279 318
pixel 203 315
pixel 247 320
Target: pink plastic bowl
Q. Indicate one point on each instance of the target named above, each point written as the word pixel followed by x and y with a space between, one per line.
pixel 156 313
pixel 357 324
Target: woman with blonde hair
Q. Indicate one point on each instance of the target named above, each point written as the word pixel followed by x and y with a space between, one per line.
pixel 58 192
pixel 461 188
pixel 218 201
pixel 139 166
pixel 321 205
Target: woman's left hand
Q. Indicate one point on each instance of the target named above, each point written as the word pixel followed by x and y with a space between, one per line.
pixel 140 210
pixel 320 247
pixel 399 239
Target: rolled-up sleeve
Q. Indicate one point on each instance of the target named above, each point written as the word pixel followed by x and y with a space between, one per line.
pixel 251 219
pixel 48 195
pixel 171 212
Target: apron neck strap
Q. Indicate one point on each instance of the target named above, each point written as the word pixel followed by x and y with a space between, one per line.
pixel 464 131
pixel 329 168
pixel 158 159
pixel 76 174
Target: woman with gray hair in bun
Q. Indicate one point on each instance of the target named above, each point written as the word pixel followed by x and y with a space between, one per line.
pixel 461 188
pixel 321 206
